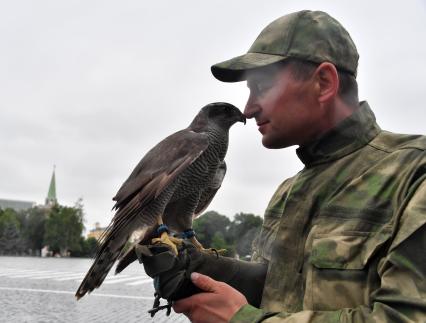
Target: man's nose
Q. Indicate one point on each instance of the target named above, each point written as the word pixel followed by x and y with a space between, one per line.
pixel 252 107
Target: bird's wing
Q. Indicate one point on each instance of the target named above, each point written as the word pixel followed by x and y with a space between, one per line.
pixel 154 172
pixel 205 199
pixel 161 165
pixel 209 193
pixel 130 255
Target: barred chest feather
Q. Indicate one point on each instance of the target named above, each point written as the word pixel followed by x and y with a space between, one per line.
pixel 199 175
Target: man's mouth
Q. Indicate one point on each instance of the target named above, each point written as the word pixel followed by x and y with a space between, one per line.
pixel 261 123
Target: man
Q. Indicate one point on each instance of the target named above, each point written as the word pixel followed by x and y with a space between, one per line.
pixel 343 240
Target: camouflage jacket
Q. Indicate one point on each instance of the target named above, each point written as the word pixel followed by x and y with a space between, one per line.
pixel 345 238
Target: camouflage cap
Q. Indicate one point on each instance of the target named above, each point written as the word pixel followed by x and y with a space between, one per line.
pixel 312 36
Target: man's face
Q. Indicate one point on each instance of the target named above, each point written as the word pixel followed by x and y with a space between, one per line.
pixel 285 109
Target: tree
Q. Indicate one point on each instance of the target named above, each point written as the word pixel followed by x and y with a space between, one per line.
pixel 10 233
pixel 88 248
pixel 218 241
pixel 33 229
pixel 63 228
pixel 242 231
pixel 215 230
pixel 207 225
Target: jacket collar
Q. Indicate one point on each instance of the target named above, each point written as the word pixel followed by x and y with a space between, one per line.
pixel 348 136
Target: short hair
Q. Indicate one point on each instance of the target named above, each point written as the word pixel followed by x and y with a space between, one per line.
pixel 348 86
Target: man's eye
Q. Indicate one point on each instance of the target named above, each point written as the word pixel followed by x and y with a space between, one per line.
pixel 259 88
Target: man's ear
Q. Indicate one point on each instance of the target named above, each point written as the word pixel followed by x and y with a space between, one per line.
pixel 327 82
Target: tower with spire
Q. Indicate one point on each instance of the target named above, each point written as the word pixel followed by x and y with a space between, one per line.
pixel 51 199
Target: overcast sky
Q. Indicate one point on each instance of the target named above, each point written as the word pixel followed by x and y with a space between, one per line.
pixel 91 86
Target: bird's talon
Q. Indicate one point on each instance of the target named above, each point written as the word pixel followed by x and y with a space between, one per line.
pixel 172 242
pixel 156 307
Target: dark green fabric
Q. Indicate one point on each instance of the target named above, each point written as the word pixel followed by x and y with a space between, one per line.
pixel 344 238
pixel 312 36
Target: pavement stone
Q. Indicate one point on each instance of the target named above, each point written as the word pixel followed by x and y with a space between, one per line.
pixel 48 299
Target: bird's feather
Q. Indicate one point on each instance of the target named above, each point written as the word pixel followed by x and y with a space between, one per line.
pixel 161 165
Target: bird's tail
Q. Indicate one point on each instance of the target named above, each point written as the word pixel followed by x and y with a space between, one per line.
pixel 108 253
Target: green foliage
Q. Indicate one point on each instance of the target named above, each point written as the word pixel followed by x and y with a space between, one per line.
pixel 208 224
pixel 7 217
pixel 33 233
pixel 217 231
pixel 243 230
pixel 91 246
pixel 63 229
pixel 10 232
pixel 59 227
pixel 88 248
pixel 218 241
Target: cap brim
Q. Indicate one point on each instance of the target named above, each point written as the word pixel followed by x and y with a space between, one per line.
pixel 235 69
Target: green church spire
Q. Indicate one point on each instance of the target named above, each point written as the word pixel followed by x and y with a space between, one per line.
pixel 51 194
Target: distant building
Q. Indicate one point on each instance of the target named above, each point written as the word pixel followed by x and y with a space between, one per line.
pixel 96 232
pixel 19 205
pixel 16 204
pixel 51 199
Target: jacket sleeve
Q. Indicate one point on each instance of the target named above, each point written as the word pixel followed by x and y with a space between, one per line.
pixel 402 293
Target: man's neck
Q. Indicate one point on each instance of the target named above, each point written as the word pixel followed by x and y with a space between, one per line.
pixel 335 114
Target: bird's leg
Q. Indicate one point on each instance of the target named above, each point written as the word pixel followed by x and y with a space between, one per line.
pixel 172 242
pixel 196 243
pixel 190 234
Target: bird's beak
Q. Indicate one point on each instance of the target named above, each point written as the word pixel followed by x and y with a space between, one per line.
pixel 242 118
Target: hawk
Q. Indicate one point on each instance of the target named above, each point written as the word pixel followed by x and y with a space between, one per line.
pixel 174 182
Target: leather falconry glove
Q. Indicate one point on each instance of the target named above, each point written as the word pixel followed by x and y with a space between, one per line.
pixel 172 273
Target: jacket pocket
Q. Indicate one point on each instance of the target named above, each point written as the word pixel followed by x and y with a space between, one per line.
pixel 341 269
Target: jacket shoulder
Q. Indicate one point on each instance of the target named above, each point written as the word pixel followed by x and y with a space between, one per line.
pixel 391 142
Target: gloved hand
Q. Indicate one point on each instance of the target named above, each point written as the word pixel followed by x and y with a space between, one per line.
pixel 172 273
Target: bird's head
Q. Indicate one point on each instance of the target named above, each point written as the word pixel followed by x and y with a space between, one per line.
pixel 220 114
